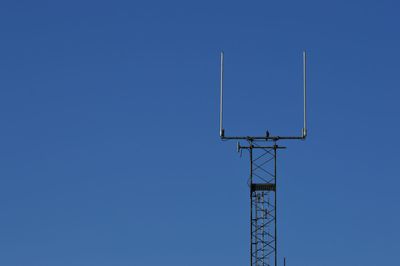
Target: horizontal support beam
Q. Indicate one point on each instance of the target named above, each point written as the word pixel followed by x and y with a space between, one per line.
pixel 261 147
pixel 273 138
pixel 263 187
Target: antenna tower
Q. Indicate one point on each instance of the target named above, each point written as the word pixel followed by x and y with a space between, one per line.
pixel 263 182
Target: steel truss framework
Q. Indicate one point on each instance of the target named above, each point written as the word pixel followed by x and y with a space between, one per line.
pixel 262 181
pixel 263 203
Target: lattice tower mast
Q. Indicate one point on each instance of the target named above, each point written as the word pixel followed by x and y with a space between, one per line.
pixel 263 182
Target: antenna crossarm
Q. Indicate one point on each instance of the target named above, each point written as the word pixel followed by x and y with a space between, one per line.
pixel 265 138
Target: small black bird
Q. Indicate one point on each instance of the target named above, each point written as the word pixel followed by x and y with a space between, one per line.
pixel 267 134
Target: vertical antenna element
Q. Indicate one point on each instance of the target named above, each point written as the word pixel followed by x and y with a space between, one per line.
pixel 304 133
pixel 221 128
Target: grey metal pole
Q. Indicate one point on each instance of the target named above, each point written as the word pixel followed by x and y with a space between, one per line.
pixel 221 129
pixel 305 94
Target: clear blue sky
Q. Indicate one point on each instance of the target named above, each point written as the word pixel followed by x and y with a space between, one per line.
pixel 109 147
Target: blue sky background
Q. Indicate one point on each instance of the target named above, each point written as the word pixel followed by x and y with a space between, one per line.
pixel 109 147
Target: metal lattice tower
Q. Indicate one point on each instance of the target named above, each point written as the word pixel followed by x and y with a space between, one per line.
pixel 263 184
